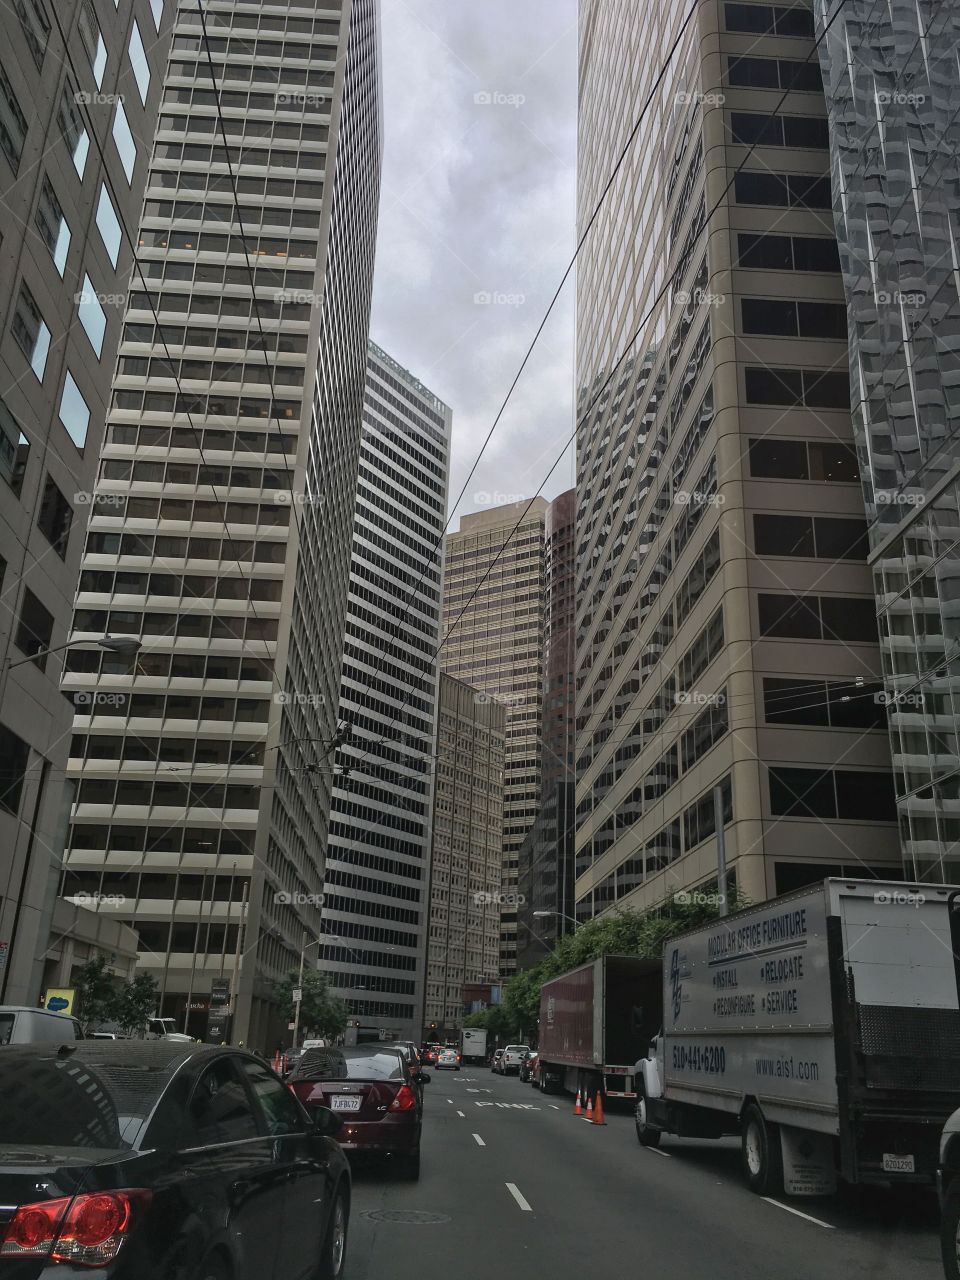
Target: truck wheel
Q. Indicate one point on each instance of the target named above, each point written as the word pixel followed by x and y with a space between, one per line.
pixel 647 1136
pixel 950 1230
pixel 761 1153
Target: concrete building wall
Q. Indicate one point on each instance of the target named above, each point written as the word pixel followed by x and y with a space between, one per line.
pixel 466 876
pixel 70 174
pixel 219 535
pixel 726 627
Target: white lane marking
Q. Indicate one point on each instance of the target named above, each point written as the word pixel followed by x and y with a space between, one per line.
pixel 461 1114
pixel 478 1140
pixel 450 1100
pixel 473 1091
pixel 657 1152
pixel 512 1188
pixel 789 1209
pixel 553 1106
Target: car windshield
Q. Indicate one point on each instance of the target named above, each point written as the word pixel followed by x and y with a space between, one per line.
pixel 348 1064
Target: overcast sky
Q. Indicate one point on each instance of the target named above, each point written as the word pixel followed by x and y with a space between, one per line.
pixel 477 223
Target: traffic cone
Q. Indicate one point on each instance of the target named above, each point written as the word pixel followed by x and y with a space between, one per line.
pixel 589 1107
pixel 598 1113
pixel 578 1110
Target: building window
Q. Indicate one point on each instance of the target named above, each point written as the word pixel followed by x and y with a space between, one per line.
pixel 53 225
pixel 74 413
pixel 820 537
pixel 755 127
pixel 14 754
pixel 774 73
pixel 13 123
pixel 783 190
pixel 72 128
pixel 835 618
pixel 785 318
pixel 14 450
pixel 813 388
pixel 123 138
pixel 32 335
pixel 156 8
pixel 93 39
pixel 772 459
pixel 858 794
pixel 770 19
pixel 36 27
pixel 55 518
pixel 788 253
pixel 92 315
pixel 834 704
pixel 108 224
pixel 139 63
pixel 34 628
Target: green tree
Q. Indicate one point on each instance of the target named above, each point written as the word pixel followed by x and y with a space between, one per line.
pixel 321 1013
pixel 96 992
pixel 134 1003
pixel 625 933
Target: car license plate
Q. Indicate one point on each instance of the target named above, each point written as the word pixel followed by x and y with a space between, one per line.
pixel 344 1103
pixel 898 1164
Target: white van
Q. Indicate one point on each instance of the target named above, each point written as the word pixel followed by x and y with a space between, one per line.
pixel 22 1025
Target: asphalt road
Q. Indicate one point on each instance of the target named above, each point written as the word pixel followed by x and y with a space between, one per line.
pixel 514 1187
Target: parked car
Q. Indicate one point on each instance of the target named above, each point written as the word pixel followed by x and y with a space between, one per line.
pixel 449 1060
pixel 948 1181
pixel 513 1056
pixel 526 1067
pixel 495 1060
pixel 129 1157
pixel 20 1024
pixel 375 1091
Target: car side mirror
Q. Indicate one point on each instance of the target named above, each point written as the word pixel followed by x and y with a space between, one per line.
pixel 424 1078
pixel 327 1122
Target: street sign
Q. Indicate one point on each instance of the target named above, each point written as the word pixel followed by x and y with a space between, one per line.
pixel 59 999
pixel 218 1029
pixel 219 991
pixel 297 994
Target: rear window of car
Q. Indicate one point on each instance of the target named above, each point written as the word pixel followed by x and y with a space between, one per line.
pixel 333 1064
pixel 516 1048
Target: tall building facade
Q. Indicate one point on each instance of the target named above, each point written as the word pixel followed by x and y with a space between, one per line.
pixel 79 95
pixel 728 650
pixel 466 867
pixel 495 578
pixel 377 894
pixel 546 856
pixel 894 141
pixel 219 533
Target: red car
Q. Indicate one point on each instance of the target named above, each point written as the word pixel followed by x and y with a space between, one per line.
pixel 374 1090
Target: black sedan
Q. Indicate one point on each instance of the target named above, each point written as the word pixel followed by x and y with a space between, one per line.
pixel 164 1161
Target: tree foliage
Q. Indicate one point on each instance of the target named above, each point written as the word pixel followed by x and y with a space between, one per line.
pixel 103 998
pixel 321 1013
pixel 625 933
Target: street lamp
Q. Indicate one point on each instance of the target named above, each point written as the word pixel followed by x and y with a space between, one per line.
pixel 547 915
pixel 114 644
pixel 297 1003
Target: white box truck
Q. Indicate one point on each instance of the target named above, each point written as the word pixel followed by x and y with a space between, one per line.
pixel 474 1045
pixel 823 1027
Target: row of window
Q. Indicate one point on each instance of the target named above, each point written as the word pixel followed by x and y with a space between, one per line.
pixel 745 72
pixel 189 587
pixel 757 128
pixel 810 537
pixel 167 549
pixel 180 751
pixel 171 795
pixel 210 439
pixel 794 319
pixel 194 626
pixel 835 618
pixel 782 190
pixel 212 842
pixel 771 252
pixel 214 406
pixel 770 19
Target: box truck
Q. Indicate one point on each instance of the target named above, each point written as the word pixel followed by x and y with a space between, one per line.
pixel 473 1046
pixel 595 1022
pixel 822 1027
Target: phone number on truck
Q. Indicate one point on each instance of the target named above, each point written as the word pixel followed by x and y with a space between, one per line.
pixel 711 1059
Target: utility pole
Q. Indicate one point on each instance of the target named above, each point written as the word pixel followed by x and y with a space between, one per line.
pixel 298 1003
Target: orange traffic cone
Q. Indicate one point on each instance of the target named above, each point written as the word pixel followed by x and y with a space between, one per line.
pixel 578 1110
pixel 598 1113
pixel 589 1107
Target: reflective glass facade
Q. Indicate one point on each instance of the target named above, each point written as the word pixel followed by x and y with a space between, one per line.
pixel 891 74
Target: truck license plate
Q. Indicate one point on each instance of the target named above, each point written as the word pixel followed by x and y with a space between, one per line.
pixel 343 1103
pixel 898 1164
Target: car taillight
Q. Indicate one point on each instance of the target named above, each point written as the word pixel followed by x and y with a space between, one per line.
pixel 87 1230
pixel 405 1100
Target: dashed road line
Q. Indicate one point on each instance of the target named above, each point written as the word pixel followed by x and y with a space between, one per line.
pixel 478 1140
pixel 462 1115
pixel 514 1191
pixel 789 1209
pixel 657 1152
pixel 553 1106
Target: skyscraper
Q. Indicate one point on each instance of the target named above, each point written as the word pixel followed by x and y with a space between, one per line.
pixel 892 106
pixel 466 867
pixel 377 902
pixel 727 641
pixel 546 856
pixel 221 529
pixel 497 646
pixel 79 94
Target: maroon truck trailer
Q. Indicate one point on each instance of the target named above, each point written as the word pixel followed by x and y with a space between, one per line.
pixel 596 1022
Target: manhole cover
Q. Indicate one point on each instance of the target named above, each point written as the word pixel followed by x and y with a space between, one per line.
pixel 412 1217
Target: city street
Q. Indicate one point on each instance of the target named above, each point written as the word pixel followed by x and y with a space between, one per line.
pixel 513 1184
